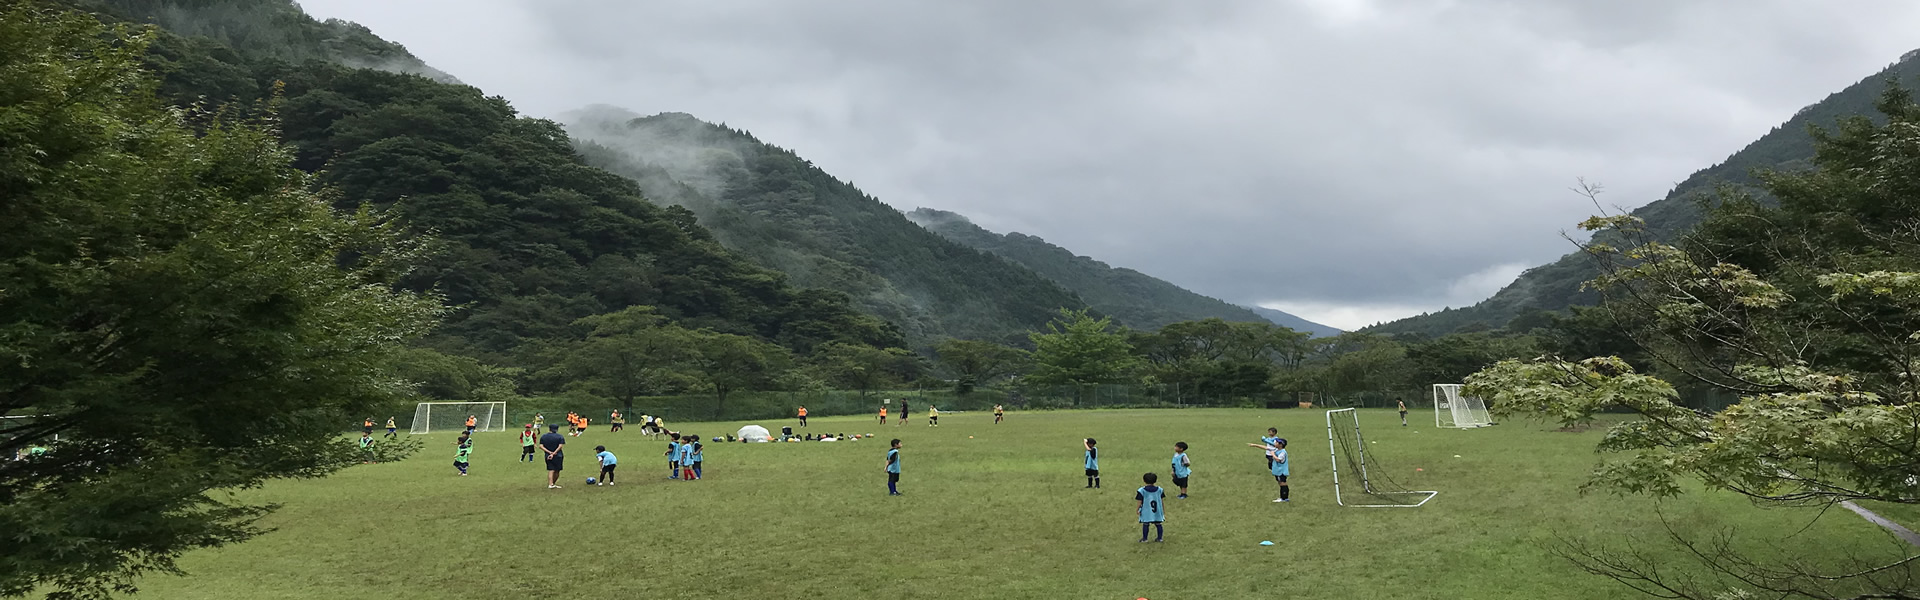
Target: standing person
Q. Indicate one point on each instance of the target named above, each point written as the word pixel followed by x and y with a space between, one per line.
pixel 1403 412
pixel 470 423
pixel 391 428
pixel 366 448
pixel 883 414
pixel 673 455
pixel 904 409
pixel 527 440
pixel 583 426
pixel 1182 468
pixel 618 423
pixel 698 456
pixel 539 421
pixel 1152 508
pixel 1277 457
pixel 803 416
pixel 933 416
pixel 686 456
pixel 893 469
pixel 1273 435
pixel 553 444
pixel 368 430
pixel 998 414
pixel 1093 464
pixel 462 451
pixel 607 463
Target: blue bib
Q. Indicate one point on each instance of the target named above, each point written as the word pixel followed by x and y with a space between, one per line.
pixel 1153 506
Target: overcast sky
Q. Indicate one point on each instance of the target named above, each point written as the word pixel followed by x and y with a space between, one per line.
pixel 1349 161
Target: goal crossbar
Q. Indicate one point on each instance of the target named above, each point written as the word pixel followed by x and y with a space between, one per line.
pixel 429 417
pixel 1360 467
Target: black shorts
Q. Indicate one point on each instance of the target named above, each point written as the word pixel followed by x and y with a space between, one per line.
pixel 459 463
pixel 554 464
pixel 1093 472
pixel 1280 478
pixel 893 477
pixel 526 449
pixel 1180 482
pixel 934 419
pixel 607 468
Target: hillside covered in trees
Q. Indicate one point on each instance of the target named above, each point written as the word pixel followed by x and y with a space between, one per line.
pixel 778 209
pixel 535 252
pixel 1132 298
pixel 1556 286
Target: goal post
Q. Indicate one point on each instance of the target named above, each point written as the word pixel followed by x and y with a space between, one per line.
pixel 1349 451
pixel 430 417
pixel 1451 409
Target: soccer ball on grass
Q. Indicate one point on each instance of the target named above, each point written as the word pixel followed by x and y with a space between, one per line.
pixel 591 481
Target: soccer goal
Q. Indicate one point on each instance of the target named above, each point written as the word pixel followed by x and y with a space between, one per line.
pixel 1349 450
pixel 1450 409
pixel 452 416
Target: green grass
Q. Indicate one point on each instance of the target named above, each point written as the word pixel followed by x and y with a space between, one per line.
pixel 991 511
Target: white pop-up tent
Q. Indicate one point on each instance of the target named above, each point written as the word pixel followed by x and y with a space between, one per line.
pixel 753 433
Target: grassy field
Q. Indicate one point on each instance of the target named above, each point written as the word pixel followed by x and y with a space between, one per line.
pixel 990 511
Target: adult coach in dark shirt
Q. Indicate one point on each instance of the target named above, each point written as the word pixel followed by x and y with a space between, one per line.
pixel 552 442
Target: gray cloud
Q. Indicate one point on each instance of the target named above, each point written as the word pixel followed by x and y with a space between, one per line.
pixel 1370 157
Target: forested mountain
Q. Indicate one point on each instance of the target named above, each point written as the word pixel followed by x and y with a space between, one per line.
pixel 270 29
pixel 1556 286
pixel 1290 321
pixel 531 239
pixel 784 213
pixel 1132 298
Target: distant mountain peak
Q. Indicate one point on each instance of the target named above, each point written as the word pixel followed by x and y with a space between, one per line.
pixel 1133 298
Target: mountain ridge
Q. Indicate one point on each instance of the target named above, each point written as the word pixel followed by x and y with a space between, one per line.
pixel 785 213
pixel 1133 298
pixel 1556 286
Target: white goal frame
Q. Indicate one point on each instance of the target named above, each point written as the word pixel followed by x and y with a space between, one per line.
pixel 1366 482
pixel 488 416
pixel 1450 409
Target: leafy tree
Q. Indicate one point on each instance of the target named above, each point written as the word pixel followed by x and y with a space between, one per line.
pixel 1079 350
pixel 158 289
pixel 1451 358
pixel 863 368
pixel 726 363
pixel 455 378
pixel 627 354
pixel 1807 310
pixel 1371 363
pixel 974 363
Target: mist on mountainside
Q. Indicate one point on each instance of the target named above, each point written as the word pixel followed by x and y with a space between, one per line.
pixel 782 212
pixel 277 29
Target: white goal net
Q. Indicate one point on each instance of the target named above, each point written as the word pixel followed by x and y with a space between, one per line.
pixel 430 417
pixel 1450 409
pixel 1352 458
